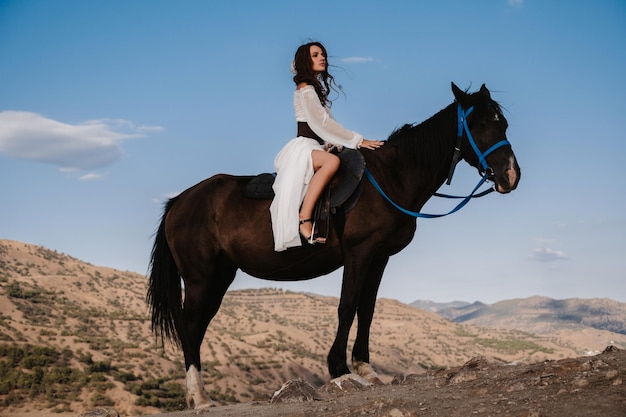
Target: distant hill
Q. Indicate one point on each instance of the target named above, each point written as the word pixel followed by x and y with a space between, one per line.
pixel 453 313
pixel 543 315
pixel 435 307
pixel 74 336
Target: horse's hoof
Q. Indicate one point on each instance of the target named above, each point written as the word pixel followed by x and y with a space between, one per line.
pixel 366 371
pixel 197 397
pixel 200 403
pixel 374 380
pixel 209 404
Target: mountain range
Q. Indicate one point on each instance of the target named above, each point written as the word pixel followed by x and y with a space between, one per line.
pixel 538 315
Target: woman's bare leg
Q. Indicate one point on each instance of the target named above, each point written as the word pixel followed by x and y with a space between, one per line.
pixel 325 166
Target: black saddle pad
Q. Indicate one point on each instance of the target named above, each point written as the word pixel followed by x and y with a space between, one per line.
pixel 260 187
pixel 342 186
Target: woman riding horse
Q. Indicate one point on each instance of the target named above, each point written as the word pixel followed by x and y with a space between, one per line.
pixel 212 229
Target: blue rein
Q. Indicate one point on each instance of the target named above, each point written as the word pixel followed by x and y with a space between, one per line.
pixel 462 127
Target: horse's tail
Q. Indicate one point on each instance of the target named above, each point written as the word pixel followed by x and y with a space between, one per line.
pixel 164 288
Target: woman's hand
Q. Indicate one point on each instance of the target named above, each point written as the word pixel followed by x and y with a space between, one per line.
pixel 370 144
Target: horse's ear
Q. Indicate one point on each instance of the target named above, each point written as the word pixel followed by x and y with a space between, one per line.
pixel 484 91
pixel 461 96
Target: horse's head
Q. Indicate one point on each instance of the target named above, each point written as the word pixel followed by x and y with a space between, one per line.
pixel 484 145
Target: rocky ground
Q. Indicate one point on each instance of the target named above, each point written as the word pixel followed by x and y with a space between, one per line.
pixel 584 386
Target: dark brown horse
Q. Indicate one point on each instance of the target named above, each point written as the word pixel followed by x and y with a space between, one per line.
pixel 211 230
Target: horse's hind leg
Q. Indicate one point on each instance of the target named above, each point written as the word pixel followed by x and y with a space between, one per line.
pixel 203 297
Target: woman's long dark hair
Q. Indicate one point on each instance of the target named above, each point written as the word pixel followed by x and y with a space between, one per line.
pixel 303 66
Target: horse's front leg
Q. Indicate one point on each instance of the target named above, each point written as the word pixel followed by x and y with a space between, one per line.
pixel 337 365
pixel 365 313
pixel 354 275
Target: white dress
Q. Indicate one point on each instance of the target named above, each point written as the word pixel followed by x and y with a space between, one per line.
pixel 294 164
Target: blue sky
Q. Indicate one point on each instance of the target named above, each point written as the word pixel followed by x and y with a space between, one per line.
pixel 107 108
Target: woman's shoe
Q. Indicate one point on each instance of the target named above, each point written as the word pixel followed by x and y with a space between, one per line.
pixel 309 239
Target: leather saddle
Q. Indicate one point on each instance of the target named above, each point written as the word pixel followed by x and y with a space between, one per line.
pixel 343 185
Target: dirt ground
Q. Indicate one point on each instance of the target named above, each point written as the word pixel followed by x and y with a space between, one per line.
pixel 585 386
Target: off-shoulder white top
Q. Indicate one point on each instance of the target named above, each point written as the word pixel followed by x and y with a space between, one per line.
pixel 308 108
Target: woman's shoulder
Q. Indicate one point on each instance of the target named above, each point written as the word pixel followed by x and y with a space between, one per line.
pixel 303 85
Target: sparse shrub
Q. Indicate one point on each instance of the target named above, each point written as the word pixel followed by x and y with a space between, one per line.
pixel 161 394
pixel 126 377
pixel 101 400
pixel 104 367
pixel 512 345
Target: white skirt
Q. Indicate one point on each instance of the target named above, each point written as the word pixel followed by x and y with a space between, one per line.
pixel 294 170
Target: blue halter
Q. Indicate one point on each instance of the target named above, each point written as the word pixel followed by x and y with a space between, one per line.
pixel 462 128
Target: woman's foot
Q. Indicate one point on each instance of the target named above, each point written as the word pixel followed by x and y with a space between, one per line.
pixel 307 229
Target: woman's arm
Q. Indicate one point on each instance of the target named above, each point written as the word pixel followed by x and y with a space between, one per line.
pixel 324 125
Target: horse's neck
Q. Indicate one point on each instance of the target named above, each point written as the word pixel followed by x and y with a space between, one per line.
pixel 416 165
pixel 436 139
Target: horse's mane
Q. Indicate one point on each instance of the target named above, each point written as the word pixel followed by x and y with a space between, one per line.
pixel 428 142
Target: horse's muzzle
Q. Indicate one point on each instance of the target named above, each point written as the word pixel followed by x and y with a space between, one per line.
pixel 507 180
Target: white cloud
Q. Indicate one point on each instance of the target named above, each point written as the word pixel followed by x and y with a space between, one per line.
pixel 88 145
pixel 356 59
pixel 548 255
pixel 516 3
pixel 90 177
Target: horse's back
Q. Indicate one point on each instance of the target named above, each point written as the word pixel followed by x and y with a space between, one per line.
pixel 204 211
pixel 215 219
pixel 217 186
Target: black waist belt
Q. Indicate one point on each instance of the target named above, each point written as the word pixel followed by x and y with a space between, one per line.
pixel 305 130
